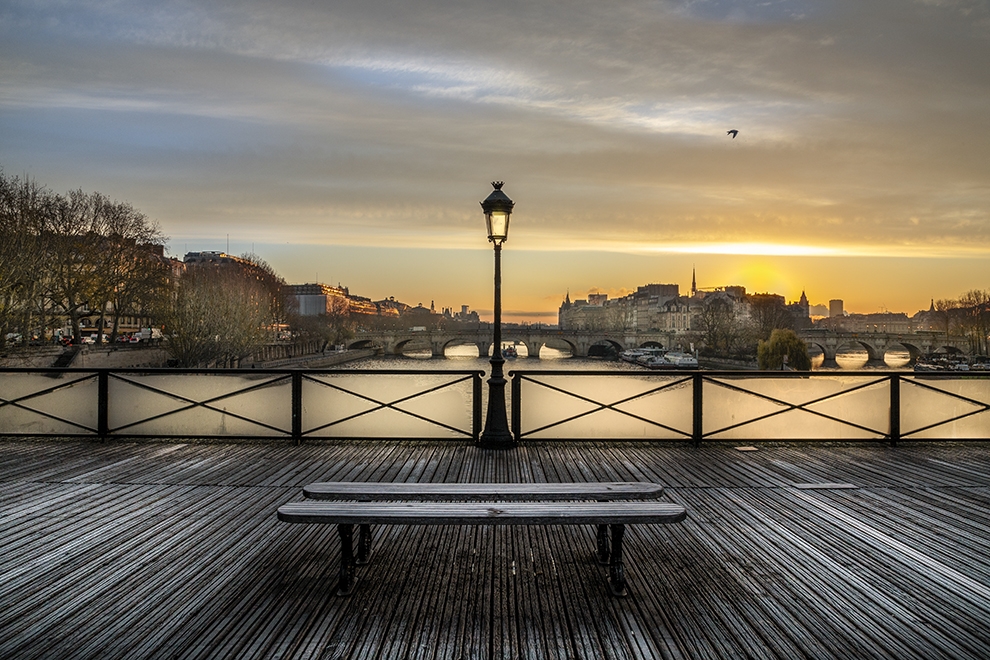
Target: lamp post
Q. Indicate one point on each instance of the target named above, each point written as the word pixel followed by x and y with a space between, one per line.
pixel 497 207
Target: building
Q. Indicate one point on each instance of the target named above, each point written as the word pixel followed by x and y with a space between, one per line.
pixel 885 322
pixel 210 257
pixel 465 316
pixel 315 299
pixel 595 313
pixel 835 308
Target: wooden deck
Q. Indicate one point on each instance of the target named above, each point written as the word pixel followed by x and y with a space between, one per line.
pixel 156 550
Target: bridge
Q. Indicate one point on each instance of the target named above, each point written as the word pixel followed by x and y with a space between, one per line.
pixel 877 343
pixel 579 342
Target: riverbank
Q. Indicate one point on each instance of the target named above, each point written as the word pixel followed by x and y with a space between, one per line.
pixel 126 357
pixel 725 364
pixel 316 360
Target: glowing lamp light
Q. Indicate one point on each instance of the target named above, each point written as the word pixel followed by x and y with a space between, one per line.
pixel 497 207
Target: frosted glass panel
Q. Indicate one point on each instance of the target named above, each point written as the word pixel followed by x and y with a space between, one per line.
pixel 556 407
pixel 388 405
pixel 200 405
pixel 41 404
pixel 945 409
pixel 753 408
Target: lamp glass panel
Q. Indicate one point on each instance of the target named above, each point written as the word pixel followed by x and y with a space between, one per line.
pixel 498 225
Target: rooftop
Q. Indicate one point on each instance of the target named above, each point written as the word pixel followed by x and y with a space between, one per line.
pixel 173 550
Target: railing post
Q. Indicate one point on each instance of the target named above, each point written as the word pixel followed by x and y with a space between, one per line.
pixel 698 427
pixel 476 399
pixel 516 398
pixel 297 407
pixel 103 403
pixel 895 409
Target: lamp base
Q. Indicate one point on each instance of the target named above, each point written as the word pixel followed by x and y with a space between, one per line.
pixel 496 434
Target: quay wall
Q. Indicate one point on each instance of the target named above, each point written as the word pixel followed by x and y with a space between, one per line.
pixel 155 357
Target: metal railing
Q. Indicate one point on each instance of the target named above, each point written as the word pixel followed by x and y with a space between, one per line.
pixel 298 404
pixel 240 403
pixel 739 406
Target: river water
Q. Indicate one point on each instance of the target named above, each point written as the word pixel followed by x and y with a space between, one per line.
pixel 466 358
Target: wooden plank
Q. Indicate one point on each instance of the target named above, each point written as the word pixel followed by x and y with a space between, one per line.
pixel 121 549
pixel 482 491
pixel 501 513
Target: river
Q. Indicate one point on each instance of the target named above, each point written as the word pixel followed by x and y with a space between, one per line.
pixel 466 357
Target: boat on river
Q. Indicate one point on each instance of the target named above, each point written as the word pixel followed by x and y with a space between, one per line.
pixel 659 359
pixel 682 360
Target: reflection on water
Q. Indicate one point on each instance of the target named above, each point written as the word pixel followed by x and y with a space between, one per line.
pixel 466 358
pixel 858 360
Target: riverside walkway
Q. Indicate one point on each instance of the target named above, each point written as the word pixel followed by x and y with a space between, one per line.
pixel 792 550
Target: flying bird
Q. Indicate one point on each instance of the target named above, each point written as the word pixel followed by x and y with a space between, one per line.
pixel 733 133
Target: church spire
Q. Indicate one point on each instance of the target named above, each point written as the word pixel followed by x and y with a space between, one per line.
pixel 694 284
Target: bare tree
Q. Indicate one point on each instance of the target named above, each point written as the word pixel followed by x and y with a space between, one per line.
pixel 130 267
pixel 218 315
pixel 946 313
pixel 23 205
pixel 718 325
pixel 72 250
pixel 281 305
pixel 975 319
pixel 335 326
pixel 768 313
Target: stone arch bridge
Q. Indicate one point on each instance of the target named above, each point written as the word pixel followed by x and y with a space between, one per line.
pixel 534 338
pixel 579 342
pixel 876 344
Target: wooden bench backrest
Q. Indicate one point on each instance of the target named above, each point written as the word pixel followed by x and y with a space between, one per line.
pixel 440 492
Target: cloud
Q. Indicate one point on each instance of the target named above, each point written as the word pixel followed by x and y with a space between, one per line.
pixel 380 123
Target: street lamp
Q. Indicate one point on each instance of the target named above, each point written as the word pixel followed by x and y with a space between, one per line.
pixel 497 208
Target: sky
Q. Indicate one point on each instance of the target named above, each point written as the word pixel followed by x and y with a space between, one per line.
pixel 351 141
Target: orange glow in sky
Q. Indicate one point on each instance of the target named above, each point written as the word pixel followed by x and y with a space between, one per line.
pixel 351 142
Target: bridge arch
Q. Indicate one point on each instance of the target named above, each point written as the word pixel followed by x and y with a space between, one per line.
pixel 874 355
pixel 361 344
pixel 421 343
pixel 913 350
pixel 609 344
pixel 559 341
pixel 450 342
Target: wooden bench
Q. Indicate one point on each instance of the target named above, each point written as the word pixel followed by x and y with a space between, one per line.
pixel 605 505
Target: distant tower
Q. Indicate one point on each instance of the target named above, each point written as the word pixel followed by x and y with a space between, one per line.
pixel 804 304
pixel 835 308
pixel 563 312
pixel 694 284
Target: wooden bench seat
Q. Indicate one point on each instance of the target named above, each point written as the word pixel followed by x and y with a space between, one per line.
pixel 481 504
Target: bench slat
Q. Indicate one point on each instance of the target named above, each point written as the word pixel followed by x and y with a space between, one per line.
pixel 509 513
pixel 427 492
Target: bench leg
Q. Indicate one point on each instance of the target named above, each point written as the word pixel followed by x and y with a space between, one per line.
pixel 603 551
pixel 616 572
pixel 345 584
pixel 364 544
